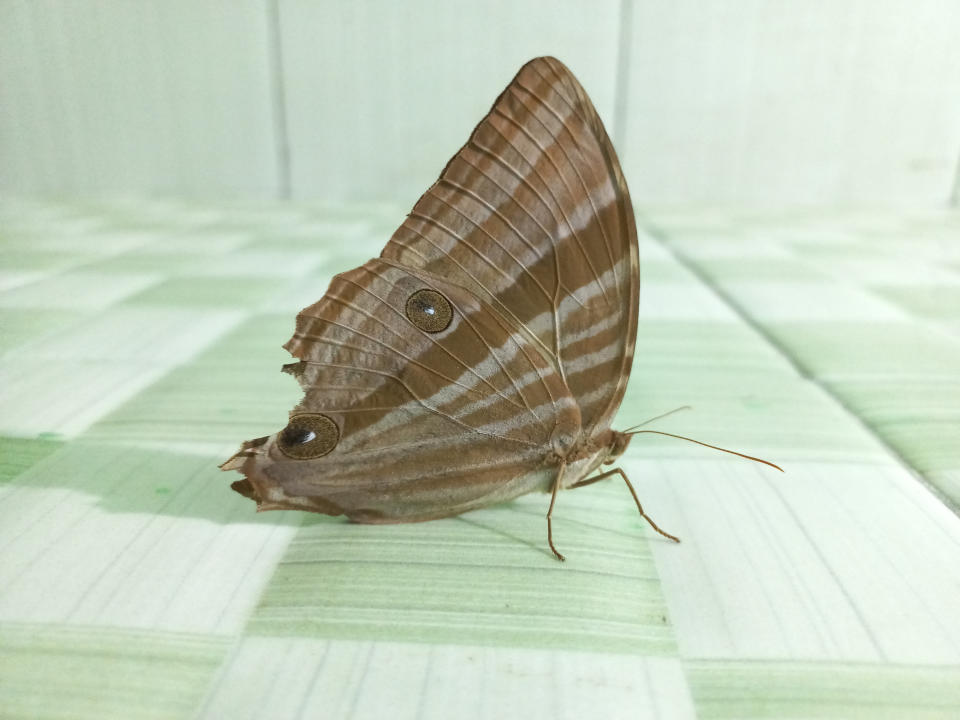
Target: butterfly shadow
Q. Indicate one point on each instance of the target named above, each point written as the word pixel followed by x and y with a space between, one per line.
pixel 584 525
pixel 491 526
pixel 129 479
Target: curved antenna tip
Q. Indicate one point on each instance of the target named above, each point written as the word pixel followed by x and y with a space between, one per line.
pixel 712 447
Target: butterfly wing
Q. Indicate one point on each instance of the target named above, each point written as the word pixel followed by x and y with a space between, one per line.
pixel 529 236
pixel 533 216
pixel 428 423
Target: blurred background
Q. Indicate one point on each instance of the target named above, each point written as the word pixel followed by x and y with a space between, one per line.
pixel 749 102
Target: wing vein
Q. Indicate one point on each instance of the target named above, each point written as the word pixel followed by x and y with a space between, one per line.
pixel 413 361
pixel 476 251
pixel 496 357
pixel 496 242
pixel 428 407
pixel 557 203
pixel 467 366
pixel 576 169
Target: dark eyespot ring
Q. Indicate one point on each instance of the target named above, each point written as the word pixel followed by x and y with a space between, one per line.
pixel 429 310
pixel 308 436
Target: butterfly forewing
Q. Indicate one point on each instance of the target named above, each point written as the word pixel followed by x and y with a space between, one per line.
pixel 533 215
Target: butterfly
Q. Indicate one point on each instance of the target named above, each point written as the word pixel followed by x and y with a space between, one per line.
pixel 485 353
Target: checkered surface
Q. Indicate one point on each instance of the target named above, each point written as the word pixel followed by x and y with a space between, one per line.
pixel 140 343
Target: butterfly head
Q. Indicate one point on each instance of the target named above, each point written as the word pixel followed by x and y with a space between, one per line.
pixel 618 444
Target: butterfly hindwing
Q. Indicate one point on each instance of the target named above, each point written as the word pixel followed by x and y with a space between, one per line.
pixel 461 414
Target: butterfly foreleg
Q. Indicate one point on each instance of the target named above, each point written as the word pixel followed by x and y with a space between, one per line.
pixel 619 471
pixel 553 499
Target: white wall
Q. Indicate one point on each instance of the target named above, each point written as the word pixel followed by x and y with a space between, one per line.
pixel 720 101
pixel 118 96
pixel 381 94
pixel 807 101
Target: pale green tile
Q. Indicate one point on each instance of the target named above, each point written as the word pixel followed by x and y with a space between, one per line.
pixel 257 340
pixel 148 480
pixel 147 336
pixel 662 271
pixel 757 268
pixel 236 292
pixel 204 404
pixel 61 671
pixel 742 392
pixel 918 417
pixel 26 258
pixel 713 345
pixel 928 444
pixel 21 325
pixel 77 290
pixel 752 690
pixel 746 411
pixel 931 301
pixel 485 578
pixel 20 454
pixel 829 249
pixel 137 261
pixel 895 398
pixel 861 348
pixel 233 391
pixel 947 482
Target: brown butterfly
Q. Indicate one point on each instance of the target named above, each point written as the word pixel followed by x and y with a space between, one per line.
pixel 486 351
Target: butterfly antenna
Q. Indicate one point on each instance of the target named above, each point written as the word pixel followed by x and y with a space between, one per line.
pixel 658 417
pixel 712 447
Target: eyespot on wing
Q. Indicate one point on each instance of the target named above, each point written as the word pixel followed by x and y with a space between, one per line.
pixel 308 436
pixel 429 310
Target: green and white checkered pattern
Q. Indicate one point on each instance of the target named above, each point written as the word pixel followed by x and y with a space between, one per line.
pixel 140 343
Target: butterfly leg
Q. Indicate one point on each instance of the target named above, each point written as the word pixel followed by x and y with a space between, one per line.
pixel 553 499
pixel 615 471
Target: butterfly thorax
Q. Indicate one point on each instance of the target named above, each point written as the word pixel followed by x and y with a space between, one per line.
pixel 608 443
pixel 589 453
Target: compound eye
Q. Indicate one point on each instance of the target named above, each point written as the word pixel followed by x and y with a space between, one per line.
pixel 429 310
pixel 308 436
